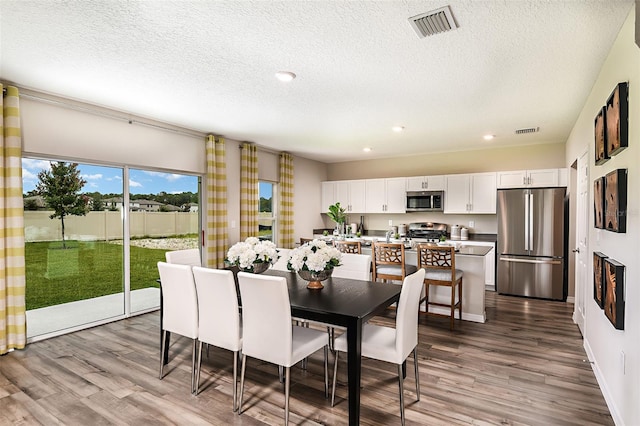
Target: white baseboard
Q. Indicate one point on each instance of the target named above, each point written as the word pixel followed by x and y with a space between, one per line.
pixel 571 299
pixel 608 398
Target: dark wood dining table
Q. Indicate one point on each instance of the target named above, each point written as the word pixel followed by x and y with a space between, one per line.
pixel 343 302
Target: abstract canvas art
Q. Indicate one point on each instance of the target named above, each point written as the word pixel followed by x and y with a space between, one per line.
pixel 598 278
pixel 600 131
pixel 598 203
pixel 615 201
pixel 614 292
pixel 617 120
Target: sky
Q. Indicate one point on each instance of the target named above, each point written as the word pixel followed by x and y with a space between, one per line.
pixel 109 179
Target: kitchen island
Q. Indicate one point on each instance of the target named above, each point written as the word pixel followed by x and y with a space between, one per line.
pixel 471 260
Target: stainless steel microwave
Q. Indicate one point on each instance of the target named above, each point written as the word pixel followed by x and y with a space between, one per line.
pixel 425 201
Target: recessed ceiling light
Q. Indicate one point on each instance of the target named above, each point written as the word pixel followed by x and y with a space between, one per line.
pixel 397 129
pixel 367 149
pixel 285 76
pixel 488 137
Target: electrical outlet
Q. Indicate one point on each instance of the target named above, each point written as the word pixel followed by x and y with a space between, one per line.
pixel 390 222
pixel 233 224
pixel 622 361
pixel 471 224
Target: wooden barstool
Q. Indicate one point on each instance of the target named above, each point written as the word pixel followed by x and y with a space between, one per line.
pixel 345 246
pixel 440 266
pixel 388 261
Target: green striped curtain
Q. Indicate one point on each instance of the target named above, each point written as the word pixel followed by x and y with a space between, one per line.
pixel 216 196
pixel 285 211
pixel 13 330
pixel 248 191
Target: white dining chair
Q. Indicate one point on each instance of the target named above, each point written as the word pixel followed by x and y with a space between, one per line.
pixel 184 257
pixel 281 263
pixel 179 310
pixel 388 344
pixel 218 318
pixel 268 334
pixel 353 266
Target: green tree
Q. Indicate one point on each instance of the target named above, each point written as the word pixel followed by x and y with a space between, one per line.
pixel 60 187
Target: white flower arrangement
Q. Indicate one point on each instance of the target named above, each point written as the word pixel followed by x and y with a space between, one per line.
pixel 314 256
pixel 250 251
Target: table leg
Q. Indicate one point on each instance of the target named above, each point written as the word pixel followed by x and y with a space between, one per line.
pixel 354 360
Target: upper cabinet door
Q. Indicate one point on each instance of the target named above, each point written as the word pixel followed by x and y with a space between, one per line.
pixel 357 196
pixel 483 193
pixel 513 179
pixel 456 194
pixel 543 178
pixel 375 196
pixel 396 195
pixel 328 196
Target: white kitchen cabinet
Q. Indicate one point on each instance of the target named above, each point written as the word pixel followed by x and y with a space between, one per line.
pixel 470 193
pixel 532 178
pixel 425 183
pixel 385 195
pixel 328 196
pixel 349 193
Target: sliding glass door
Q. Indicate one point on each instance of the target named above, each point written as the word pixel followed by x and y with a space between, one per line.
pixel 94 235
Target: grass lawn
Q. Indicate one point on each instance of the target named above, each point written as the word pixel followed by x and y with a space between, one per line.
pixel 84 270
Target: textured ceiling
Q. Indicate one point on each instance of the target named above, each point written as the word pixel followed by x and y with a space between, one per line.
pixel 209 66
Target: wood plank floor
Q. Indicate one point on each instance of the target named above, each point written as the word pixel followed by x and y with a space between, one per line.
pixel 524 366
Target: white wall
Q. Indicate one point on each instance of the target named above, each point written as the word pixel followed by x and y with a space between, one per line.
pixel 602 342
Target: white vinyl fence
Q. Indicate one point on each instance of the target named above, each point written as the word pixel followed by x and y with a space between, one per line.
pixel 107 225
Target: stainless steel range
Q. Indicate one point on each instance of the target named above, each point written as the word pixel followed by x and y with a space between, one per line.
pixel 427 231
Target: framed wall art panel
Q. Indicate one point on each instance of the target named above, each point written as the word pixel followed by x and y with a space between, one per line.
pixel 614 292
pixel 617 120
pixel 615 201
pixel 600 130
pixel 598 278
pixel 598 202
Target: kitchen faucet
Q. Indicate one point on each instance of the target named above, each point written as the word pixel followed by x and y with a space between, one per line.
pixel 389 234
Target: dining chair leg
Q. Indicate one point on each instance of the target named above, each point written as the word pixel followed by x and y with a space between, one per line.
pixel 453 307
pixel 415 364
pixel 235 381
pixel 199 367
pixel 335 377
pixel 287 380
pixel 244 365
pixel 194 351
pixel 163 342
pixel 401 385
pixel 460 299
pixel 326 371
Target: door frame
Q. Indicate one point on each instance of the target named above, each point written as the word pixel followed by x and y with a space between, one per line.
pixel 581 242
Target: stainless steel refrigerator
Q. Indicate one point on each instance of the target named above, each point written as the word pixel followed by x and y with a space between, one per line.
pixel 532 242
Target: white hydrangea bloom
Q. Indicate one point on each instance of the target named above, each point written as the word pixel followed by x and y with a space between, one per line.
pixel 314 256
pixel 245 253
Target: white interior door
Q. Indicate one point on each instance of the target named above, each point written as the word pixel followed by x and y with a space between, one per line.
pixel 582 242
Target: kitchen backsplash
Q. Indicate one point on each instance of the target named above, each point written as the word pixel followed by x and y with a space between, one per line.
pixel 482 224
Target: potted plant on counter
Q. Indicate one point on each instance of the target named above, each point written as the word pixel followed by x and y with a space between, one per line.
pixel 338 214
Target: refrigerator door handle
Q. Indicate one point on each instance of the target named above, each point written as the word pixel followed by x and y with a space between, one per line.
pixel 543 261
pixel 526 221
pixel 531 221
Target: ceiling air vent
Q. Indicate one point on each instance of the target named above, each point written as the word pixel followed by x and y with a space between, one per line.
pixel 529 130
pixel 434 22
